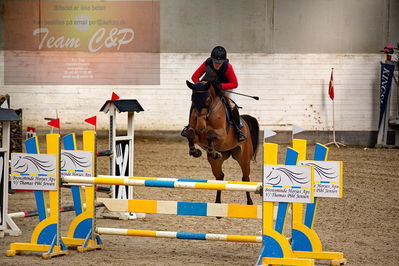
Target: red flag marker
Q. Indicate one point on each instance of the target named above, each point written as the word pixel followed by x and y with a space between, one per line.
pixel 92 121
pixel 55 123
pixel 331 86
pixel 114 96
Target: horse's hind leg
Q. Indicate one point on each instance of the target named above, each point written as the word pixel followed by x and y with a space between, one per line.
pixel 245 177
pixel 246 169
pixel 217 171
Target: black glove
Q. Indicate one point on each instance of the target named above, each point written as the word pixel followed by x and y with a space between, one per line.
pixel 217 85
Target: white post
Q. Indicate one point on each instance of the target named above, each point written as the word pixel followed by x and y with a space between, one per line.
pixel 7 225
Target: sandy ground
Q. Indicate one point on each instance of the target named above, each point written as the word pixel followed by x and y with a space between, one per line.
pixel 364 224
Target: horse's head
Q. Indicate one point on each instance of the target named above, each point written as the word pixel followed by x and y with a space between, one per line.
pixel 201 98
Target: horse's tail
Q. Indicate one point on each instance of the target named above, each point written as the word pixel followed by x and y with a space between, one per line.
pixel 253 126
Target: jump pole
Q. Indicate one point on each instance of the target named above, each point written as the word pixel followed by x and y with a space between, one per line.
pixel 160 183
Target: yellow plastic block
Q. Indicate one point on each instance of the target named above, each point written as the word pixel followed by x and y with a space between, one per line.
pixel 242 211
pixel 287 261
pixel 210 186
pixel 323 255
pixel 145 206
pixel 237 238
pixel 147 233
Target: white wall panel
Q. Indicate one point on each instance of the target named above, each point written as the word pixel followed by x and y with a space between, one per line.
pixel 292 90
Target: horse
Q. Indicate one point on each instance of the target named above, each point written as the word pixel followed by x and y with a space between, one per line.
pixel 210 129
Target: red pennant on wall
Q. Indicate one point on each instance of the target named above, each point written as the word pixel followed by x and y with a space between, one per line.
pixel 55 123
pixel 331 86
pixel 92 121
pixel 114 96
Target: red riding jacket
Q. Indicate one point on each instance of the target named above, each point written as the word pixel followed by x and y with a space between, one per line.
pixel 225 73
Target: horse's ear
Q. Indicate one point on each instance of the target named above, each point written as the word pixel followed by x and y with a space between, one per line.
pixel 190 85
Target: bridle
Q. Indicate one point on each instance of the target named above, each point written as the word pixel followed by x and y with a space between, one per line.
pixel 210 110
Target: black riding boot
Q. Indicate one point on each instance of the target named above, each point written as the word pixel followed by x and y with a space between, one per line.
pixel 236 122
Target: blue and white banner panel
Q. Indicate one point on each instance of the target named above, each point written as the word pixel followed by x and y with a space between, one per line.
pixel 288 183
pixel 33 171
pixel 328 176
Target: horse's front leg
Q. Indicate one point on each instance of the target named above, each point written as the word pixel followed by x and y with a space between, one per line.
pixel 245 165
pixel 211 137
pixel 192 150
pixel 216 165
pixel 216 160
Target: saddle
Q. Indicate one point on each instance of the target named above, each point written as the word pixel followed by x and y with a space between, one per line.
pixel 225 100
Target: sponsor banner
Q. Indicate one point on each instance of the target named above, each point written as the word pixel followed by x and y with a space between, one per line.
pixel 33 171
pixel 385 88
pixel 328 177
pixel 76 163
pixel 81 42
pixel 288 183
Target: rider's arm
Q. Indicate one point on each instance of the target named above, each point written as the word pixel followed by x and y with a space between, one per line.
pixel 231 76
pixel 198 73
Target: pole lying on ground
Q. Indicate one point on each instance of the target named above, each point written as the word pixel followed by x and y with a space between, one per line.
pixel 36 213
pixel 253 97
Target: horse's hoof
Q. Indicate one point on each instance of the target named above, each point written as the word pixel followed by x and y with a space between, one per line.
pixel 187 132
pixel 216 156
pixel 195 153
pixel 250 203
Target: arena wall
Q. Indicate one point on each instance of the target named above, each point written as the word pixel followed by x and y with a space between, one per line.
pixel 282 51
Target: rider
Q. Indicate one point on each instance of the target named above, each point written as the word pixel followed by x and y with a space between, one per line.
pixel 220 73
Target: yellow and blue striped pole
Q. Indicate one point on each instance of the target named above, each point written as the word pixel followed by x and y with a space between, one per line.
pixel 161 183
pixel 183 208
pixel 179 235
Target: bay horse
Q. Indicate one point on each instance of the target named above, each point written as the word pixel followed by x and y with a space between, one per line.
pixel 210 129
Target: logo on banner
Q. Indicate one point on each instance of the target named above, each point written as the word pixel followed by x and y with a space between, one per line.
pixel 288 183
pixel 327 178
pixel 76 163
pixel 33 171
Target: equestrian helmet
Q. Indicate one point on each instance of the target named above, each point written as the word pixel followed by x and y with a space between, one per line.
pixel 219 54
